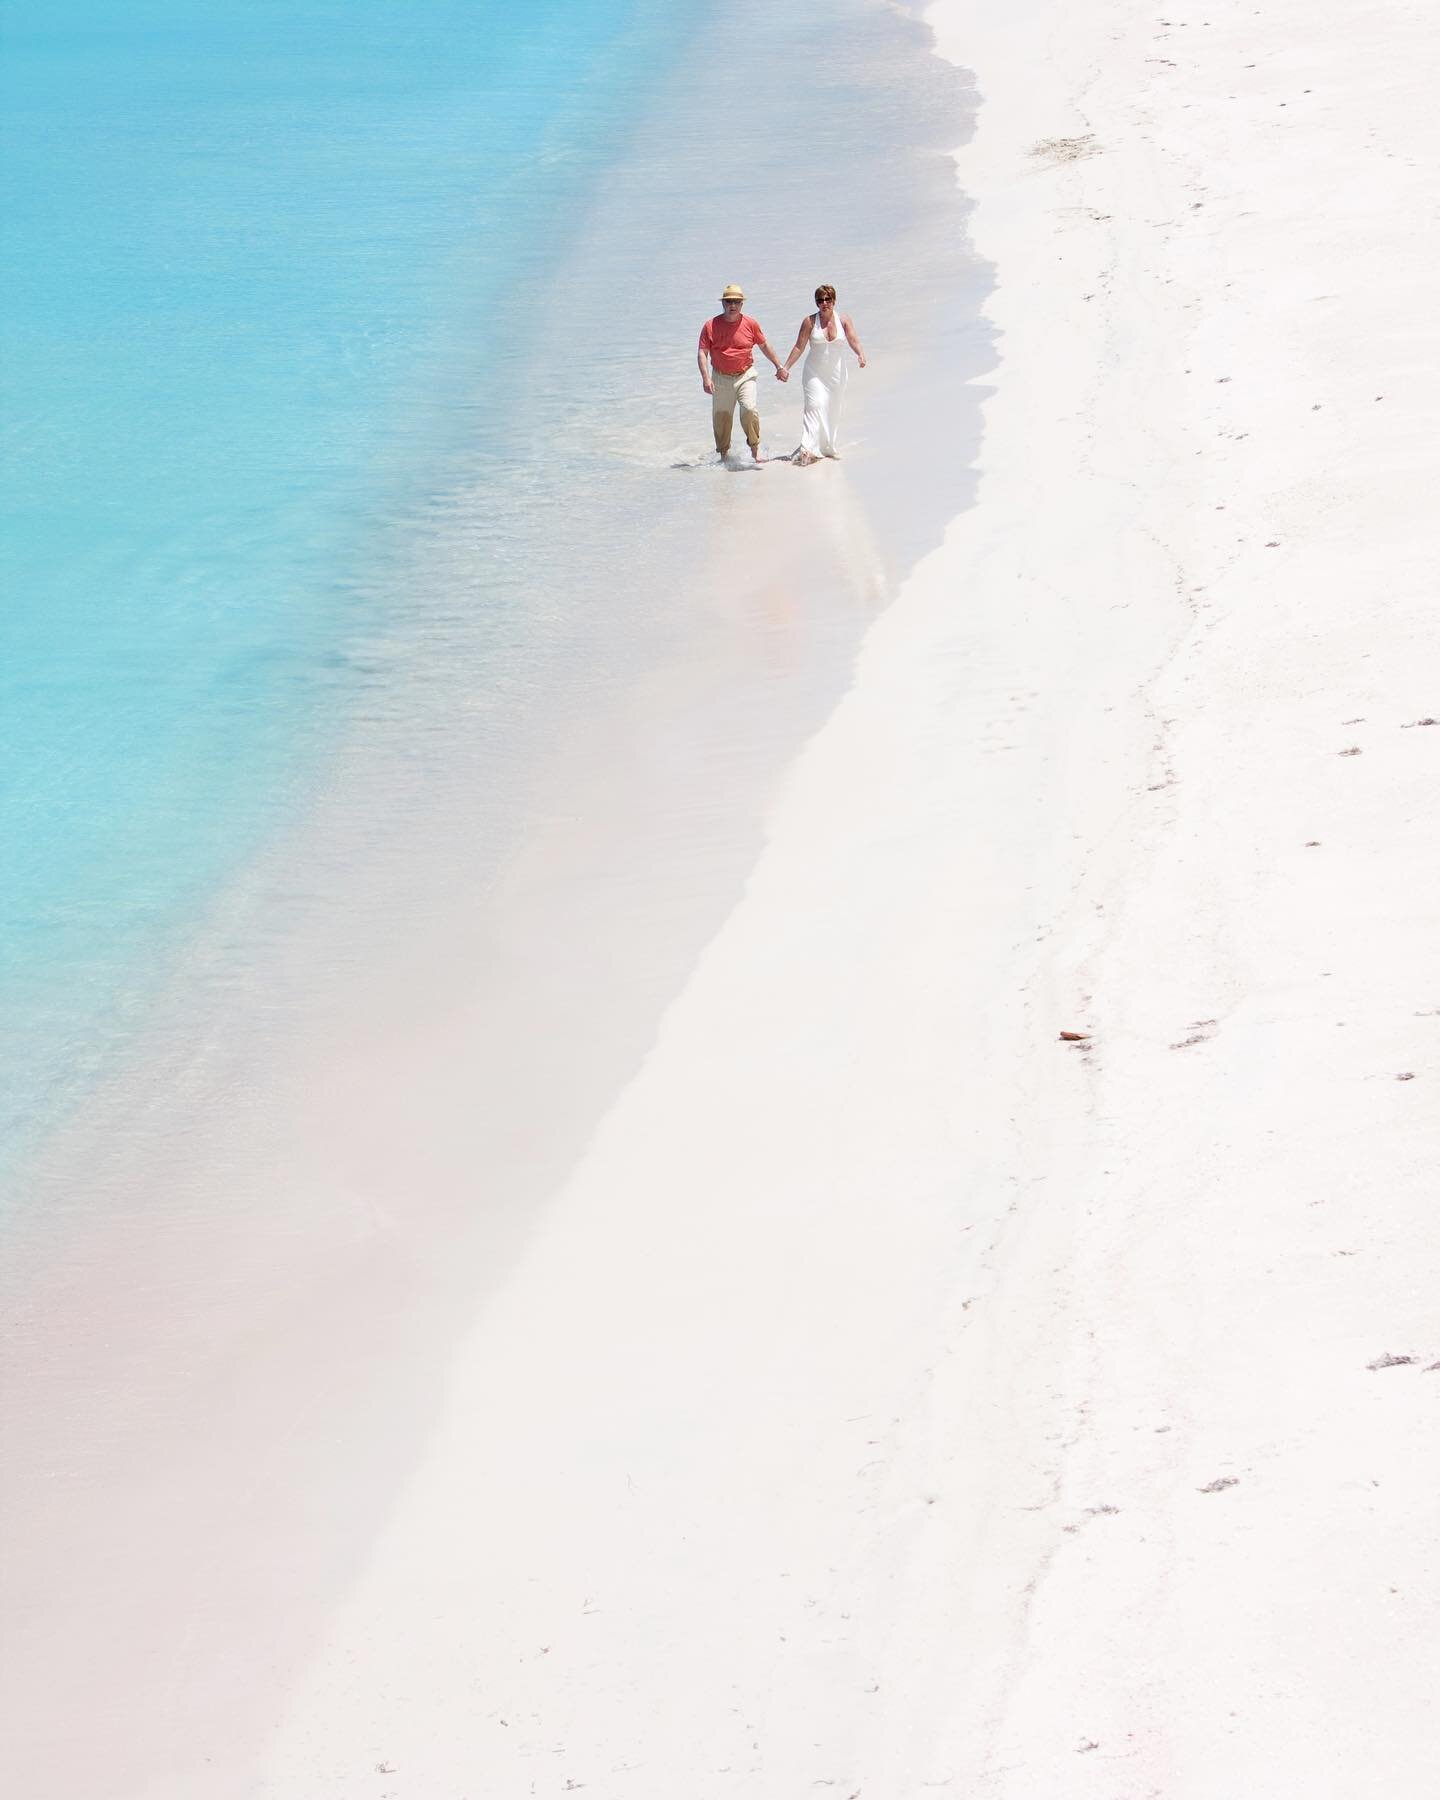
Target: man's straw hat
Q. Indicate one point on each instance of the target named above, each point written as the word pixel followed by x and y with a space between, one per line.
pixel 733 293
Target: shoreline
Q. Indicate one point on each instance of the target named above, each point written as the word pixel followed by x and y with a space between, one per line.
pixel 977 1408
pixel 887 1395
pixel 237 1304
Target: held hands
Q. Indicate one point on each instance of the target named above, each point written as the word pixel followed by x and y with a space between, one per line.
pixel 781 372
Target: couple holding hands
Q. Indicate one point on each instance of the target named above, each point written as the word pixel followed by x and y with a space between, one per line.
pixel 727 371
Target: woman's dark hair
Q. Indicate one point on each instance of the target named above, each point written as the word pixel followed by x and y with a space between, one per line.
pixel 825 293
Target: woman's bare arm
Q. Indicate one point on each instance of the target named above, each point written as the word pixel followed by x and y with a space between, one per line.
pixel 802 338
pixel 852 337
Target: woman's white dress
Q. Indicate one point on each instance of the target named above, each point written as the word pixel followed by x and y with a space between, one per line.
pixel 824 389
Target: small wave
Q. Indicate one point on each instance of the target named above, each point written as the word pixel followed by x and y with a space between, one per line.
pixel 732 465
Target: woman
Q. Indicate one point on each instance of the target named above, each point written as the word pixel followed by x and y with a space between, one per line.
pixel 824 333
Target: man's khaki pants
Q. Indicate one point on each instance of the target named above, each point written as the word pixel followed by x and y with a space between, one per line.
pixel 730 389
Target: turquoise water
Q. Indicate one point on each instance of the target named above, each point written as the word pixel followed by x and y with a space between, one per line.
pixel 394 692
pixel 247 248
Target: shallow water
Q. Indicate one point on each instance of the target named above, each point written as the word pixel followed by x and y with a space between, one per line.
pixel 346 362
pixel 244 246
pixel 536 623
pixel 428 877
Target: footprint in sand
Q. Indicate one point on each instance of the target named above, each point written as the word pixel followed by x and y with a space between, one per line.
pixel 1063 150
pixel 1201 1031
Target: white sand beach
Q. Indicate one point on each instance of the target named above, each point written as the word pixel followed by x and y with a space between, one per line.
pixel 900 1399
pixel 991 1346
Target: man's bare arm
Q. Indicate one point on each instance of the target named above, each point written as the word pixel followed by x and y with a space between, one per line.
pixel 781 369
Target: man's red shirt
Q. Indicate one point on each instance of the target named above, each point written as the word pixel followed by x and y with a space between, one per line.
pixel 730 342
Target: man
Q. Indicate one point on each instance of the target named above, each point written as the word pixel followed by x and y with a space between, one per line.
pixel 727 369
